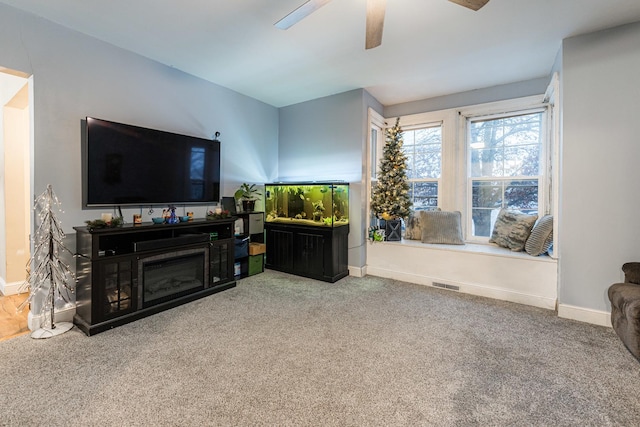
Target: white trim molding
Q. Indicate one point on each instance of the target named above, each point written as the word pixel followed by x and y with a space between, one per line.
pixel 357 271
pixel 587 315
pixel 12 288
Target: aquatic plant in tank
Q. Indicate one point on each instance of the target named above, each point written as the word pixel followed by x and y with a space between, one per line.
pixel 318 204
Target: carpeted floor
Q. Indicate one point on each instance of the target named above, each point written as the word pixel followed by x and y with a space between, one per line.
pixel 283 350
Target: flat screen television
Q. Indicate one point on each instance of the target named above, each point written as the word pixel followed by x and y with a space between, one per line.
pixel 125 165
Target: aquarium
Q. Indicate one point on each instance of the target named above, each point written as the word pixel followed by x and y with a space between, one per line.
pixel 319 204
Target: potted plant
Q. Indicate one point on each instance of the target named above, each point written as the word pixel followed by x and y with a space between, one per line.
pixel 248 194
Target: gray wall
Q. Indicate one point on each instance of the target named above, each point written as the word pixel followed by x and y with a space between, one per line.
pixel 77 76
pixel 325 139
pixel 322 139
pixel 600 200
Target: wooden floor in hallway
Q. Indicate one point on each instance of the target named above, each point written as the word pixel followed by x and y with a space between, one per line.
pixel 12 322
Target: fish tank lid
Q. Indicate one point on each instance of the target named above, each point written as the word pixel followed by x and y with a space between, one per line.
pixel 336 182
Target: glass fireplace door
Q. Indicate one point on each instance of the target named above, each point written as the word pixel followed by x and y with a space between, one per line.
pixel 117 293
pixel 171 275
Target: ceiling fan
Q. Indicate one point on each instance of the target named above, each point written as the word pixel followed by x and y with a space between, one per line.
pixel 375 16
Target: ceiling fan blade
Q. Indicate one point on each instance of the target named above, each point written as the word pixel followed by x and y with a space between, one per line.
pixel 375 22
pixel 300 13
pixel 471 4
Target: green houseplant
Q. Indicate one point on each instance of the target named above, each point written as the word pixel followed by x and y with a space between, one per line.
pixel 248 194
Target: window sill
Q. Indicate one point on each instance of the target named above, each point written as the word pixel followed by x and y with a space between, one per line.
pixel 476 248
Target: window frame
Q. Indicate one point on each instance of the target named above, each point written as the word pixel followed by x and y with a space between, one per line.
pixel 447 121
pixel 495 110
pixel 376 129
pixel 438 180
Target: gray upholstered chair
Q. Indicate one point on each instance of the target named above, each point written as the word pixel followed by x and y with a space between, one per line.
pixel 625 307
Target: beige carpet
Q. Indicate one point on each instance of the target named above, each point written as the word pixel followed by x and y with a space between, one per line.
pixel 283 350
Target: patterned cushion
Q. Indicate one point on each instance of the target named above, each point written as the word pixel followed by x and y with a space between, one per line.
pixel 441 227
pixel 413 228
pixel 512 229
pixel 541 237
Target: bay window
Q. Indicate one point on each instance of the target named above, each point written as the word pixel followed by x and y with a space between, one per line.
pixel 476 160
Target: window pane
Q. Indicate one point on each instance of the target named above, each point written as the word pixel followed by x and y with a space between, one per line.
pixel 482 221
pixel 499 149
pixel 486 194
pixel 424 195
pixel 487 199
pixel 521 160
pixel 522 195
pixel 428 162
pixel 508 146
pixel 486 162
pixel 423 148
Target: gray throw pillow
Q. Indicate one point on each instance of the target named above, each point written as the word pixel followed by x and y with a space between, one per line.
pixel 441 227
pixel 541 237
pixel 512 229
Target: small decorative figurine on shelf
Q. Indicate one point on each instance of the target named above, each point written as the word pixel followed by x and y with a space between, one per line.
pixel 173 219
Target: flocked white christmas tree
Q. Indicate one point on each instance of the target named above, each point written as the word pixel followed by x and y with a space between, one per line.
pixel 390 196
pixel 46 272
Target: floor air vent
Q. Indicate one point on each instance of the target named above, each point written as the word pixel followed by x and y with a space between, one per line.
pixel 445 286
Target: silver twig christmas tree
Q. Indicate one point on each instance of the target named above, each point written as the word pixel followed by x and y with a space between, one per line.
pixel 46 272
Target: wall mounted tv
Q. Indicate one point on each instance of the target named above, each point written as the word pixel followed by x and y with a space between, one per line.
pixel 124 165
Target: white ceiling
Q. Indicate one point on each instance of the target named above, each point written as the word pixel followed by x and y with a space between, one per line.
pixel 429 47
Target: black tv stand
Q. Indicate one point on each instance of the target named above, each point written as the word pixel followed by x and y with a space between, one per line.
pixel 129 272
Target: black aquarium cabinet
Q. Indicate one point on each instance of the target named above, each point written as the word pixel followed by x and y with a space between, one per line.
pixel 126 273
pixel 307 229
pixel 318 253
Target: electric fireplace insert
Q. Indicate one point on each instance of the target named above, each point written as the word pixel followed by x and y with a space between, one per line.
pixel 170 275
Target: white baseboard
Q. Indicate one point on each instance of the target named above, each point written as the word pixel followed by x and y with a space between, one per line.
pixel 34 321
pixel 469 288
pixel 587 315
pixel 357 271
pixel 12 288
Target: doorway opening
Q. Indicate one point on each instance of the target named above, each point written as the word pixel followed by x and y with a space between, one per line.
pixel 15 184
